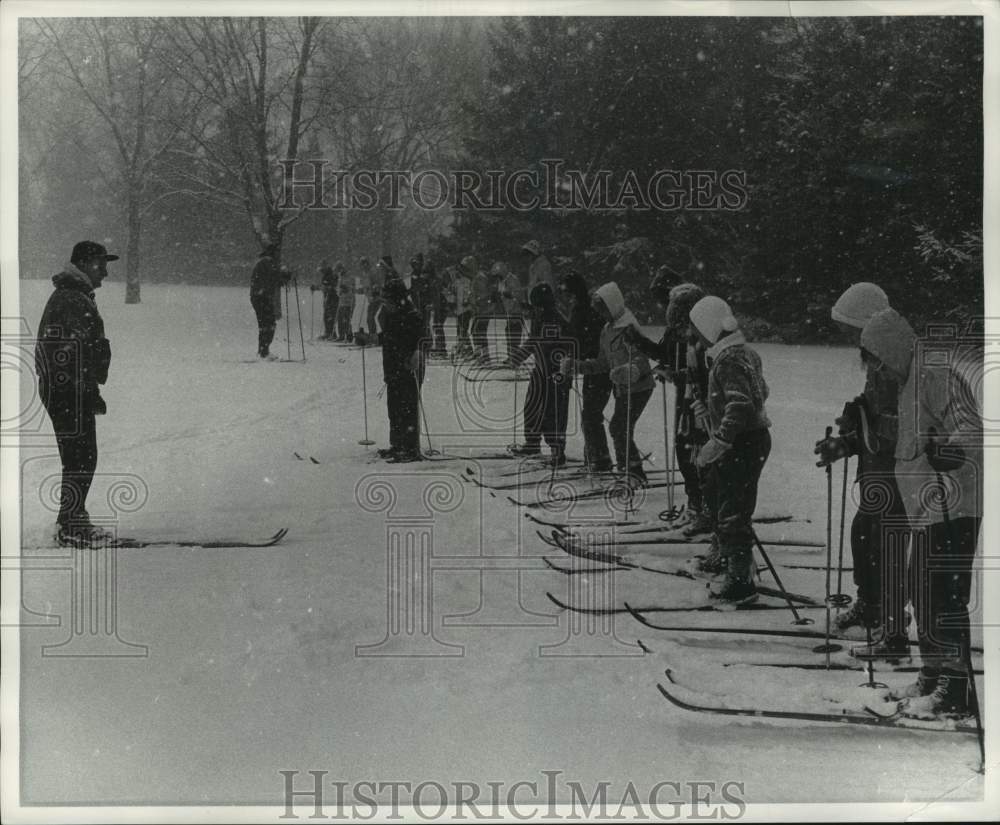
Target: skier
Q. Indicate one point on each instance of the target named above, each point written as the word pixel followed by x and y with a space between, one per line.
pixel 546 404
pixel 265 284
pixel 584 329
pixel 868 428
pixel 384 271
pixel 361 324
pixel 328 284
pixel 72 358
pixel 511 298
pixel 439 309
pixel 738 445
pixel 402 330
pixel 458 298
pixel 421 294
pixel 682 364
pixel 939 470
pixel 482 296
pixel 345 308
pixel 630 376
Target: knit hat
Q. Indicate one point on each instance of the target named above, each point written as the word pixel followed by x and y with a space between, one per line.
pixel 659 287
pixel 889 337
pixel 712 317
pixel 499 269
pixel 681 300
pixel 533 246
pixel 859 303
pixel 386 261
pixel 469 265
pixel 615 302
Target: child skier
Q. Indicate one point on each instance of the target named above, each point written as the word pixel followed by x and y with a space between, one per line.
pixel 738 445
pixel 630 376
pixel 939 470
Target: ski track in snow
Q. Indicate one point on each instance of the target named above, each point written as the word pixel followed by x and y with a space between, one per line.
pixel 253 666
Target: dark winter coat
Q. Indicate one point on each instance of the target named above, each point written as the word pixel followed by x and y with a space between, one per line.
pixel 402 329
pixel 736 389
pixel 266 276
pixel 546 340
pixel 585 322
pixel 72 356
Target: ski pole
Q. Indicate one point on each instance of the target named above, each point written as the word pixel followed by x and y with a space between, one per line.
pixel 777 580
pixel 671 505
pixel 423 415
pixel 312 314
pixel 841 599
pixel 298 312
pixel 827 647
pixel 288 324
pixel 628 437
pixel 364 398
pixel 556 379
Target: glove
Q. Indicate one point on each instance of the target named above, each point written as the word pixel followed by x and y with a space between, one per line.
pixel 626 374
pixel 831 449
pixel 711 452
pixel 663 373
pixel 850 418
pixel 413 362
pixel 698 409
pixel 566 366
pixel 97 404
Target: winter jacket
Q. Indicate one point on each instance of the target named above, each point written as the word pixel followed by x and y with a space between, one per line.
pixel 72 356
pixel 402 329
pixel 460 293
pixel 511 294
pixel 545 341
pixel 940 408
pixel 483 295
pixel 736 389
pixel 614 348
pixel 540 272
pixel 345 289
pixel 585 322
pixel 266 276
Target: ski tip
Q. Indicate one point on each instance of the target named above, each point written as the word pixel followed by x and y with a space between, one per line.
pixel 556 601
pixel 313 460
pixel 643 646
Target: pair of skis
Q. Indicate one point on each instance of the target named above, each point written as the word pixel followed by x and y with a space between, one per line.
pixel 126 543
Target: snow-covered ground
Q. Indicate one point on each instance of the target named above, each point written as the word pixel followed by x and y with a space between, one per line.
pixel 253 663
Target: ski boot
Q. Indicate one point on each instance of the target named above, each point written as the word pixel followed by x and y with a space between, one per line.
pixel 855 617
pixel 525 449
pixel 406 457
pixel 927 680
pixel 890 648
pixel 714 563
pixel 700 524
pixel 735 591
pixel 81 534
pixel 558 458
pixel 387 452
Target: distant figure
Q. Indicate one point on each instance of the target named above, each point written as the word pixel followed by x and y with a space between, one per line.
pixel 439 308
pixel 345 306
pixel 360 324
pixel 328 283
pixel 72 358
pixel 539 268
pixel 460 295
pixel 265 286
pixel 511 297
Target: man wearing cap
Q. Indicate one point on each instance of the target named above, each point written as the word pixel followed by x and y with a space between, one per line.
pixel 72 358
pixel 868 428
pixel 265 285
pixel 738 444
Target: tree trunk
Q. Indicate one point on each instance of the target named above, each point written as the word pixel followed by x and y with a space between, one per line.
pixel 132 252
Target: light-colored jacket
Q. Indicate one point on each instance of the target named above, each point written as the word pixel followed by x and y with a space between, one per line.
pixel 615 350
pixel 940 402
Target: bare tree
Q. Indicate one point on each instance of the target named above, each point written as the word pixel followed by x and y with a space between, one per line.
pixel 116 65
pixel 252 74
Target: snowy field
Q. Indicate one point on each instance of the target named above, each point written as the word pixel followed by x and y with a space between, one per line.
pixel 253 663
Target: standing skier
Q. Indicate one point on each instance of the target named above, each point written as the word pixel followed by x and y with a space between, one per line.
pixel 482 298
pixel 402 329
pixel 439 308
pixel 738 445
pixel 265 284
pixel 630 374
pixel 511 298
pixel 459 298
pixel 682 364
pixel 546 404
pixel 361 324
pixel 72 358
pixel 584 329
pixel 345 308
pixel 939 470
pixel 328 284
pixel 868 428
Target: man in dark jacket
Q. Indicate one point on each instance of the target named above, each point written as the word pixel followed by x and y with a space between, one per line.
pixel 72 358
pixel 547 402
pixel 584 328
pixel 265 283
pixel 402 329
